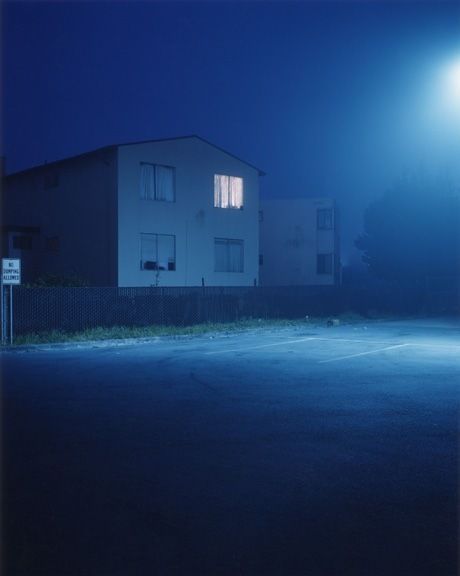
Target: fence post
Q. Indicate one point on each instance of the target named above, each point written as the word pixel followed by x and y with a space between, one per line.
pixel 11 314
pixel 2 312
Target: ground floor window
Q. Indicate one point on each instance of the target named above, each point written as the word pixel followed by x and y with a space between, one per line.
pixel 324 263
pixel 22 242
pixel 228 255
pixel 158 252
pixel 52 243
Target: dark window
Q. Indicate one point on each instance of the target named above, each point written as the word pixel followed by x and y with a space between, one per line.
pixel 158 252
pixel 261 259
pixel 324 264
pixel 261 215
pixel 157 182
pixel 228 255
pixel 52 243
pixel 324 219
pixel 22 242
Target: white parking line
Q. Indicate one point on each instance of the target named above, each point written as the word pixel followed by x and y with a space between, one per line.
pixel 363 353
pixel 283 343
pixel 365 341
pixel 336 359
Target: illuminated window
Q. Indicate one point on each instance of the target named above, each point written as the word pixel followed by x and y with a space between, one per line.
pixel 228 191
pixel 324 263
pixel 158 252
pixel 157 182
pixel 228 255
pixel 324 219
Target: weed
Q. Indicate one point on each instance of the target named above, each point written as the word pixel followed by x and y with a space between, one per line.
pixel 128 332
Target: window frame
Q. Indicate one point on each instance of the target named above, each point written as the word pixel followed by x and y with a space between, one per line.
pixel 171 266
pixel 22 242
pixel 228 242
pixel 324 269
pixel 155 189
pixel 228 206
pixel 322 222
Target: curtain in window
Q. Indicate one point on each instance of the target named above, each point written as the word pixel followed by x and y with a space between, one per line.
pixel 147 181
pixel 228 255
pixel 235 192
pixel 166 252
pixel 221 191
pixel 148 251
pixel 220 255
pixel 235 256
pixel 228 191
pixel 165 183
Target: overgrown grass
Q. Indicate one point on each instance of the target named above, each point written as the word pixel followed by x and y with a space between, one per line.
pixel 126 332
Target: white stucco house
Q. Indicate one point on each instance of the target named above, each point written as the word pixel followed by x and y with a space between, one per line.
pixel 299 242
pixel 173 212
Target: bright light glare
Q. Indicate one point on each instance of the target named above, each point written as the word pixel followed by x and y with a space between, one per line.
pixel 453 79
pixel 450 86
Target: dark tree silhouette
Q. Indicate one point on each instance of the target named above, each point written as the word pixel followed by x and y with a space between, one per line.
pixel 412 234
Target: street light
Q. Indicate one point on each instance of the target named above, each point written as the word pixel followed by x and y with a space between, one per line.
pixel 450 88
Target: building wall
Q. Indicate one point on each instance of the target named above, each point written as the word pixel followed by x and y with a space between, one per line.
pixel 68 208
pixel 290 242
pixel 191 218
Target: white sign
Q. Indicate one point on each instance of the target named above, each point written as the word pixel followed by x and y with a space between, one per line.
pixel 11 271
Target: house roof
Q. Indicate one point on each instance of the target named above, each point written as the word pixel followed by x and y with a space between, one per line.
pixel 112 146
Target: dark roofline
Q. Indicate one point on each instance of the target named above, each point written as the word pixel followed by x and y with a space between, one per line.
pixel 55 162
pixel 112 146
pixel 261 172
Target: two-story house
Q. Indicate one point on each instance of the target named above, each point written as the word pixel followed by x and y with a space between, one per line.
pixel 174 212
pixel 299 242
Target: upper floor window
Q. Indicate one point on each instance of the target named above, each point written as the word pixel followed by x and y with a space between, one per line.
pixel 228 191
pixel 157 182
pixel 324 219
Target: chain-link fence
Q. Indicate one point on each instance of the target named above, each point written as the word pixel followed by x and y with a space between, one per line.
pixel 74 309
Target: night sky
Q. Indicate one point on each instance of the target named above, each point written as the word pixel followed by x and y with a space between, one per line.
pixel 328 98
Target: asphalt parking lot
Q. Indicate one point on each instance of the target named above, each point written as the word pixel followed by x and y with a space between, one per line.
pixel 308 451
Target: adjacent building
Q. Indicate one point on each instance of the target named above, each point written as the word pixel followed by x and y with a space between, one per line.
pixel 174 212
pixel 299 242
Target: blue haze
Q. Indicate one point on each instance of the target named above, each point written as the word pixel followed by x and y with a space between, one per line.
pixel 327 98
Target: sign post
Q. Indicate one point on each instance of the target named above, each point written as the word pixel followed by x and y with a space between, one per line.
pixel 11 275
pixel 2 310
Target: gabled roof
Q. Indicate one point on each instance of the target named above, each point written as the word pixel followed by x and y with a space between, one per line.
pixel 114 146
